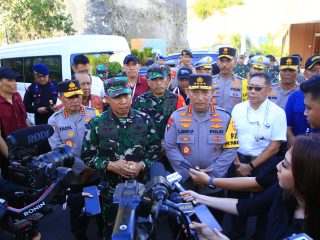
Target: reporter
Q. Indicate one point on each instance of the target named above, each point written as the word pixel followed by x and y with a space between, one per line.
pixel 292 203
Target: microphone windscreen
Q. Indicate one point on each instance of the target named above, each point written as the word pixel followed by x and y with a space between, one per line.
pixel 157 169
pixel 175 197
pixel 27 137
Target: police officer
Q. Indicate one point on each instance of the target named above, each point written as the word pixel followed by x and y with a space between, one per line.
pixel 183 83
pixel 70 128
pixel 41 96
pixel 203 66
pixel 229 90
pixel 288 74
pixel 258 64
pixel 241 69
pixel 201 134
pixel 122 144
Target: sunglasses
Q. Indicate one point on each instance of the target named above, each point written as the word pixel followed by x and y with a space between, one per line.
pixel 256 88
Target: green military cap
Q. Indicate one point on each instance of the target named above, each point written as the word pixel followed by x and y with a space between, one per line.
pixel 156 71
pixel 70 88
pixel 227 52
pixel 117 86
pixel 200 81
pixel 289 62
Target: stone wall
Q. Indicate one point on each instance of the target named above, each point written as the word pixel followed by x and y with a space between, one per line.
pixel 164 19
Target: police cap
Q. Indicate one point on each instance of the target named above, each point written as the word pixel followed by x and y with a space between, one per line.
pixel 227 52
pixel 289 63
pixel 70 88
pixel 200 81
pixel 204 62
pixel 312 60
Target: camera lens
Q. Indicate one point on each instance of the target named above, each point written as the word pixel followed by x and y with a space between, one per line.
pixel 60 156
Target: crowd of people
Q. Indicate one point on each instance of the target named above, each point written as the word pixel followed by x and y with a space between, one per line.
pixel 249 131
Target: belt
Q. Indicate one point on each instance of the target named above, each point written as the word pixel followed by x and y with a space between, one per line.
pixel 246 157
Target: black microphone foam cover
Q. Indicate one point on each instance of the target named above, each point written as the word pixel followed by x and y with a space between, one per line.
pixel 30 136
pixel 175 197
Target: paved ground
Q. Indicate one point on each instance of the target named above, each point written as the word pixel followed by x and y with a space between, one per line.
pixel 55 226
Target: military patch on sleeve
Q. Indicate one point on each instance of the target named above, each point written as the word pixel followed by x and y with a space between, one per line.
pixel 170 121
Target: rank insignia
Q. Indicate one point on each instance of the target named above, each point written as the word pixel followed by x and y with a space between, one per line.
pixel 70 134
pixel 217 139
pixel 214 101
pixel 185 139
pixel 87 120
pixel 216 120
pixel 185 125
pixel 185 150
pixel 182 113
pixel 216 125
pixel 235 84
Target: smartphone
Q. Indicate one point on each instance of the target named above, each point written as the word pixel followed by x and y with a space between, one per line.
pixel 187 165
pixel 92 204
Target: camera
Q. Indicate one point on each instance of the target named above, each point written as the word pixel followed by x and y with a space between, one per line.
pixel 38 172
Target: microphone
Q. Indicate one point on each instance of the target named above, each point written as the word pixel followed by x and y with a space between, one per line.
pixel 28 137
pixel 174 179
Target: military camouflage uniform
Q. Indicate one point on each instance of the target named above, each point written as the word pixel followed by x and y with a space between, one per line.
pixel 159 108
pixel 273 73
pixel 110 139
pixel 241 70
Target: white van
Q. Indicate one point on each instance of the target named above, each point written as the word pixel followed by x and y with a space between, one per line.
pixel 58 53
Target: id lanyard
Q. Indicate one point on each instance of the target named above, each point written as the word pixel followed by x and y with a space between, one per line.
pixel 133 91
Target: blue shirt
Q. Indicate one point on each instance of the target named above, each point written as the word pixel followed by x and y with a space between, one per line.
pixel 295 113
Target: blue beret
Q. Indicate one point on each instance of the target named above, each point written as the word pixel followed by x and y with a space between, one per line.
pixel 41 69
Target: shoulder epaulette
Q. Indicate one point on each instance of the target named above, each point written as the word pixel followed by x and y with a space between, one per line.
pixel 223 110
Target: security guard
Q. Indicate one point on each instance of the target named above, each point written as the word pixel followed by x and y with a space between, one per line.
pixel 203 66
pixel 229 90
pixel 41 96
pixel 201 134
pixel 122 144
pixel 288 74
pixel 70 127
pixel 241 69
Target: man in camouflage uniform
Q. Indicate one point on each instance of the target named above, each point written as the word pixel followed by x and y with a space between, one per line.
pixel 203 135
pixel 273 70
pixel 288 84
pixel 229 90
pixel 122 144
pixel 159 103
pixel 241 69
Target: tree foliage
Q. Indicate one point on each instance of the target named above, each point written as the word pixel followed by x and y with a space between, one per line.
pixel 268 48
pixel 114 68
pixel 206 8
pixel 33 19
pixel 144 54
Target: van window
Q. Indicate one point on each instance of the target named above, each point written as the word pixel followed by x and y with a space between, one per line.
pixel 23 66
pixel 95 59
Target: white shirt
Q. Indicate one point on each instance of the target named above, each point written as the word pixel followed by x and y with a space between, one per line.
pixel 97 87
pixel 257 128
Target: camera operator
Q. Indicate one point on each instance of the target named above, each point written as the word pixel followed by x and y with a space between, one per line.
pixel 12 115
pixel 70 127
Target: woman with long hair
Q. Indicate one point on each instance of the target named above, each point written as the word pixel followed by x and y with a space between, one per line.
pixel 292 204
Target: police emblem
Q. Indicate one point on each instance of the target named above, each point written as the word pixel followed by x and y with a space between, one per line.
pixel 186 150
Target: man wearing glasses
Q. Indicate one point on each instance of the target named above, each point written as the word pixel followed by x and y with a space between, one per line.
pixel 261 127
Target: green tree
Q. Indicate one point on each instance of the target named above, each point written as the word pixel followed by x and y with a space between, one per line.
pixel 33 19
pixel 114 68
pixel 207 8
pixel 236 41
pixel 144 54
pixel 268 48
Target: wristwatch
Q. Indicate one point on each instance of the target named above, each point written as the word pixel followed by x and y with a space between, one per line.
pixel 211 179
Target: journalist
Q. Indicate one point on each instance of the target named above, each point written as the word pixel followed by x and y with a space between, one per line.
pixel 292 203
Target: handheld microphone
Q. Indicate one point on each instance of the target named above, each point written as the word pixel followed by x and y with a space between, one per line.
pixel 174 179
pixel 28 137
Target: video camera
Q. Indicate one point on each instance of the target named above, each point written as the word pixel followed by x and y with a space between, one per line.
pixel 141 206
pixel 26 168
